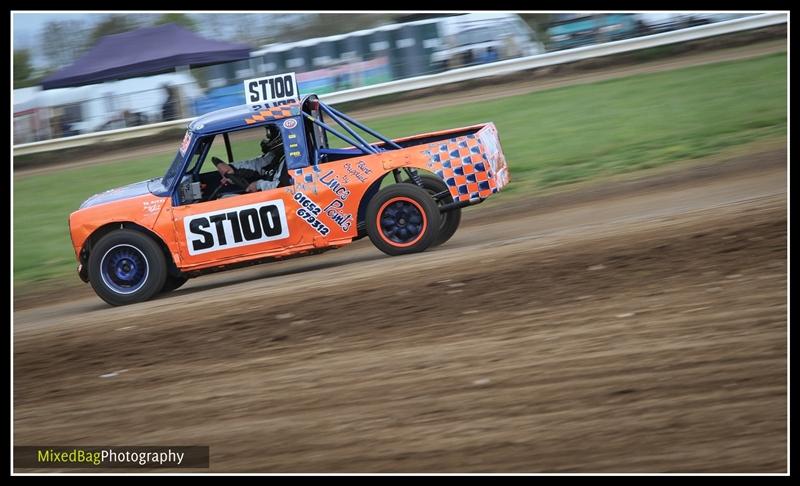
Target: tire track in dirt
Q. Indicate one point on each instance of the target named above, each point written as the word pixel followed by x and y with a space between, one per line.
pixel 641 330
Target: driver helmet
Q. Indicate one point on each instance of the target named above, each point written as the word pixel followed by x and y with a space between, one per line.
pixel 272 139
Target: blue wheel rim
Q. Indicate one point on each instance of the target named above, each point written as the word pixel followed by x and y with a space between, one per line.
pixel 124 269
pixel 401 222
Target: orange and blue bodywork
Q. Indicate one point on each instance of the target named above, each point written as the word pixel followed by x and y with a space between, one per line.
pixel 323 207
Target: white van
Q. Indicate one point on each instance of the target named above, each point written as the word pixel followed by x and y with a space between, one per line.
pixel 65 112
pixel 479 38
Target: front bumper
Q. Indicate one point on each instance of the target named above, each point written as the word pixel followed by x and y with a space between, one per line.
pixel 83 272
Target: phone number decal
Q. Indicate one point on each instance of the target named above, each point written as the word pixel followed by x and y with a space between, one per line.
pixel 309 211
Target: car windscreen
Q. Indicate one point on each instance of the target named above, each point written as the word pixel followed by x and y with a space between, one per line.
pixel 173 172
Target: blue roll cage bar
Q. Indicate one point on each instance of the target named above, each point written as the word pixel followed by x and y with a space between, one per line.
pixel 357 141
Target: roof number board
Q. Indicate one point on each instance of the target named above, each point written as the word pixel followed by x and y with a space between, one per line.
pixel 271 89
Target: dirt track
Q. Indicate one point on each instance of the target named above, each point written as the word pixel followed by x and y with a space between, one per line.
pixel 634 327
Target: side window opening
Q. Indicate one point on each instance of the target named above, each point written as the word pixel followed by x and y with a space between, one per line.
pixel 246 161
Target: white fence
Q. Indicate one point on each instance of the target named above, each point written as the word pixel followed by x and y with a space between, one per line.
pixel 452 76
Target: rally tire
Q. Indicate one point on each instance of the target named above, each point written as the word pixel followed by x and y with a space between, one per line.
pixel 173 283
pixel 450 219
pixel 402 219
pixel 126 267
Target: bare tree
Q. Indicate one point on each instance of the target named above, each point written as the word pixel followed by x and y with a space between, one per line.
pixel 63 41
pixel 113 24
pixel 211 25
pixel 177 18
pixel 22 67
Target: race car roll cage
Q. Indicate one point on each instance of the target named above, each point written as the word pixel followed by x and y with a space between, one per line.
pixel 366 148
pixel 358 145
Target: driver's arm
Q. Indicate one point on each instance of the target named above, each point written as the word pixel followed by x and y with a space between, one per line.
pixel 255 164
pixel 264 185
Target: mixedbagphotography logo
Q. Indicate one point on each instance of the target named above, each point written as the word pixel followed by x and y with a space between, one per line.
pixel 111 456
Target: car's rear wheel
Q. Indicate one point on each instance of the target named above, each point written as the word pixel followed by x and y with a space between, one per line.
pixel 402 219
pixel 449 219
pixel 126 266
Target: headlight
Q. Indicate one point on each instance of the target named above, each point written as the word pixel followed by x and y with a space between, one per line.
pixel 560 37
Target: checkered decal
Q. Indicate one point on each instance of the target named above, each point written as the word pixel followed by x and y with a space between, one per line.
pixel 463 165
pixel 303 179
pixel 275 113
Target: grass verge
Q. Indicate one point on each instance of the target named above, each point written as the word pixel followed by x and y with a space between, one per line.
pixel 550 138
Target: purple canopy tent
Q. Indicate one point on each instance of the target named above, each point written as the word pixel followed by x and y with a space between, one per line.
pixel 142 52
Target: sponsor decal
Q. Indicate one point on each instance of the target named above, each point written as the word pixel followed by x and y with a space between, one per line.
pixel 271 89
pixel 331 181
pixel 153 206
pixel 267 106
pixel 290 123
pixel 235 227
pixel 360 172
pixel 185 143
pixel 334 210
pixel 362 166
pixel 501 179
pixel 308 212
pixel 489 140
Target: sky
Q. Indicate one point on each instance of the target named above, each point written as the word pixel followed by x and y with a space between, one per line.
pixel 28 25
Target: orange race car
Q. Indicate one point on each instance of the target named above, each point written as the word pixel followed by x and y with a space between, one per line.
pixel 150 237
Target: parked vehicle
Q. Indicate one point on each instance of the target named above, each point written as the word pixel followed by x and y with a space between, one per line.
pixel 481 38
pixel 105 106
pixel 568 31
pixel 655 22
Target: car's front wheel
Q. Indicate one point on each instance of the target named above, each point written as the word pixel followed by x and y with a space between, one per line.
pixel 127 266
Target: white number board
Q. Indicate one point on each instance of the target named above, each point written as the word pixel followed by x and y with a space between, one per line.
pixel 280 87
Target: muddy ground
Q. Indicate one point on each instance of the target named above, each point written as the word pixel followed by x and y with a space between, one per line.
pixel 636 326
